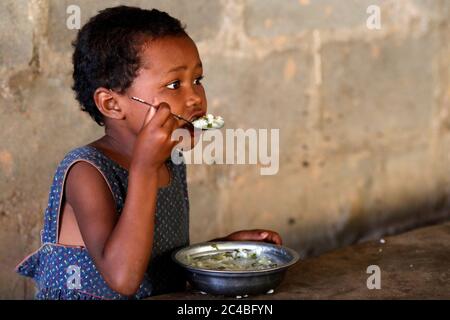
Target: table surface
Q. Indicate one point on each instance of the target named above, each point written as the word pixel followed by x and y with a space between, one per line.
pixel 413 265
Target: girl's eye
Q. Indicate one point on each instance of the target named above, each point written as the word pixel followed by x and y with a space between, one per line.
pixel 176 84
pixel 198 81
pixel 173 85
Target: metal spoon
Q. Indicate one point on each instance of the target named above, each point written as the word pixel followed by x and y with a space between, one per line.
pixel 173 114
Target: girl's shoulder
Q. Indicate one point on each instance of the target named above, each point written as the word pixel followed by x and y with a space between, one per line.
pixel 110 168
pixel 86 152
pixel 112 173
pixel 115 176
pixel 93 156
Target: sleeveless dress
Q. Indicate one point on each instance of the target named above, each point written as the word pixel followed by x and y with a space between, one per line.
pixel 69 273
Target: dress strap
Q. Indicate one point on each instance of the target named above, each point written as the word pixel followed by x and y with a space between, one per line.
pixel 115 176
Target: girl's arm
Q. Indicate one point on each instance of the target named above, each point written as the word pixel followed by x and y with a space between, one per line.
pixel 121 245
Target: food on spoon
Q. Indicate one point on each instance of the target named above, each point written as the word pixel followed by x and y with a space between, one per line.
pixel 208 122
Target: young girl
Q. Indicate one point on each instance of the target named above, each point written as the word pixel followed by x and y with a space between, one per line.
pixel 118 207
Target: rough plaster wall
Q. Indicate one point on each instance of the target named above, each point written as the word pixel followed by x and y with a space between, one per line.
pixel 364 117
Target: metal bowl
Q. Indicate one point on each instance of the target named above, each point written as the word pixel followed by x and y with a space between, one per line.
pixel 236 283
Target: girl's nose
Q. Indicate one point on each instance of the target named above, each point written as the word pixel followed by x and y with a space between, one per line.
pixel 194 98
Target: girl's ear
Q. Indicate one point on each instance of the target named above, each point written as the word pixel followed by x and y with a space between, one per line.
pixel 107 104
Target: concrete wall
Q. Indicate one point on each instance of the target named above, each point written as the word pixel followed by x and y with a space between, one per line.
pixel 364 117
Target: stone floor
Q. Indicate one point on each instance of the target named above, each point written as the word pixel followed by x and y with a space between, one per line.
pixel 413 265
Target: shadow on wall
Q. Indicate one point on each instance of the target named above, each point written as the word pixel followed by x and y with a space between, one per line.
pixel 360 228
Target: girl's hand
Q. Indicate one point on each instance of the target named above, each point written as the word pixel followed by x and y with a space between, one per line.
pixel 255 235
pixel 154 144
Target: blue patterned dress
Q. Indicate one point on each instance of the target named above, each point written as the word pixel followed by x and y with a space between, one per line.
pixel 68 272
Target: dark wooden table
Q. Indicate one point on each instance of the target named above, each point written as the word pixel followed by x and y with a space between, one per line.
pixel 413 265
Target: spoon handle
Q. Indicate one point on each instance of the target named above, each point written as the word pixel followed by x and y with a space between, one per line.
pixel 156 107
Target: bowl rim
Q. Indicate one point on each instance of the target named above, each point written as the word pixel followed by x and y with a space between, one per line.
pixel 295 258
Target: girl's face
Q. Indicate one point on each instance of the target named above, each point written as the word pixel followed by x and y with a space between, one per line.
pixel 171 71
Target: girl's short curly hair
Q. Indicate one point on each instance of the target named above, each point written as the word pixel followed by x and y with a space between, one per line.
pixel 106 50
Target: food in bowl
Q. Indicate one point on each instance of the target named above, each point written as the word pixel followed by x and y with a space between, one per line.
pixel 232 260
pixel 208 121
pixel 235 282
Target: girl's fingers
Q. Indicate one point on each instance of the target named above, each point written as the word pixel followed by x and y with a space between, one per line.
pixel 170 124
pixel 162 115
pixel 256 235
pixel 270 236
pixel 251 235
pixel 149 115
pixel 275 238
